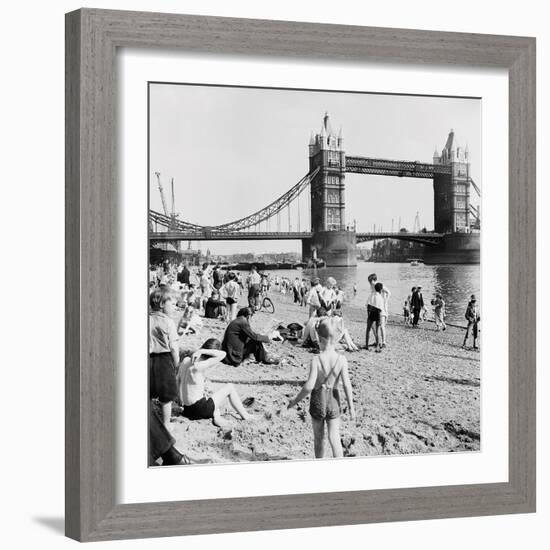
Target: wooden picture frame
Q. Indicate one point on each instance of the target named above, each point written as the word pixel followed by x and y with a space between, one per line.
pixel 92 39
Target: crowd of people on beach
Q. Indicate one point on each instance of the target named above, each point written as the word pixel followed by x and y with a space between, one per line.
pixel 179 300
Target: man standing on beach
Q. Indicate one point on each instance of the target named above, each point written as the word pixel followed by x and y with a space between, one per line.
pixel 313 298
pixel 183 275
pixel 417 304
pixel 253 282
pixel 473 317
pixel 217 277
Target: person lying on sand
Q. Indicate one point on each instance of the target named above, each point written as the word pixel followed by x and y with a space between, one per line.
pixel 191 382
pixel 326 371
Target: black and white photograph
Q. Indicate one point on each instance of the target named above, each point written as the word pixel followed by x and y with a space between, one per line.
pixel 314 274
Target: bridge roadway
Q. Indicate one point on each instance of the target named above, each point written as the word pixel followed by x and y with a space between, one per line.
pixel 398 168
pixel 229 236
pixel 425 238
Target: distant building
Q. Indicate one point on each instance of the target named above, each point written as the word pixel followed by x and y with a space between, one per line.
pixel 392 250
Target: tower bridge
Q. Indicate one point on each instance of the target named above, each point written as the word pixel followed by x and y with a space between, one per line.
pixel 323 188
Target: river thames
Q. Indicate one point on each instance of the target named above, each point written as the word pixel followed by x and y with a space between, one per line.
pixel 455 283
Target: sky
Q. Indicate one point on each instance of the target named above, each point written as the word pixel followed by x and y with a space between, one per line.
pixel 232 151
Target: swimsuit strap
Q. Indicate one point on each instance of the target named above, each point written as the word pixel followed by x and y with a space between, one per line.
pixel 330 372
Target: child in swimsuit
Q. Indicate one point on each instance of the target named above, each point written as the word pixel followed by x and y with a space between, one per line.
pixel 326 371
pixel 191 382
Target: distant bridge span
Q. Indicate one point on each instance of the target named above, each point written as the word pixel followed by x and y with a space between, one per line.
pixel 423 238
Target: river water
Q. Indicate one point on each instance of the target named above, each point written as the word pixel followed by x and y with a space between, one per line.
pixel 455 283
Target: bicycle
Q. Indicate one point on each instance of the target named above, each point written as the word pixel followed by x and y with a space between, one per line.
pixel 263 302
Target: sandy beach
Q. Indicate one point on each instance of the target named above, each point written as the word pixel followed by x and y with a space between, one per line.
pixel 420 395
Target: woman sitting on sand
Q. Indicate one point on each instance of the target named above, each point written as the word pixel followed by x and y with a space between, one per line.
pixel 326 371
pixel 191 382
pixel 342 335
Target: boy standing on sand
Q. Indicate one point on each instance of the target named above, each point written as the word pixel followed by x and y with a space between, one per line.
pixel 385 292
pixel 406 311
pixel 375 306
pixel 163 351
pixel 439 312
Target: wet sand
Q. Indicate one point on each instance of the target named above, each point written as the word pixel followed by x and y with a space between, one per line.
pixel 420 395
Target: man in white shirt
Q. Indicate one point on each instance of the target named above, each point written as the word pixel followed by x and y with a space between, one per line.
pixel 253 282
pixel 313 300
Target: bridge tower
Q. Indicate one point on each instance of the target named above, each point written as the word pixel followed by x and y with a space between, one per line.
pixel 452 192
pixel 331 240
pixel 452 208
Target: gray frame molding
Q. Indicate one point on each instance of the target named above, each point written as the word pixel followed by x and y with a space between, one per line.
pixel 92 38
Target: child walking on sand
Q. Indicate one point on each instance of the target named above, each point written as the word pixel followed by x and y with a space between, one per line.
pixel 439 312
pixel 163 351
pixel 326 371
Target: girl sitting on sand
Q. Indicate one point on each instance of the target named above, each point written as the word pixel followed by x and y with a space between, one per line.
pixel 342 335
pixel 191 382
pixel 326 371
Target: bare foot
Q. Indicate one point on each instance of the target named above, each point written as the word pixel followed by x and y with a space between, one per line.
pixel 220 423
pixel 187 460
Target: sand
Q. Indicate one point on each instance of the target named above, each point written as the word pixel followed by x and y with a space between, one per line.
pixel 420 395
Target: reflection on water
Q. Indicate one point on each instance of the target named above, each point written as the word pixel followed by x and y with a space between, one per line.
pixel 455 283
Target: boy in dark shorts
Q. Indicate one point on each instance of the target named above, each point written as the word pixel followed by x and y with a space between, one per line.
pixel 163 351
pixel 375 306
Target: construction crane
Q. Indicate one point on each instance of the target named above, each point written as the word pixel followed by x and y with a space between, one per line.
pixel 173 214
pixel 162 197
